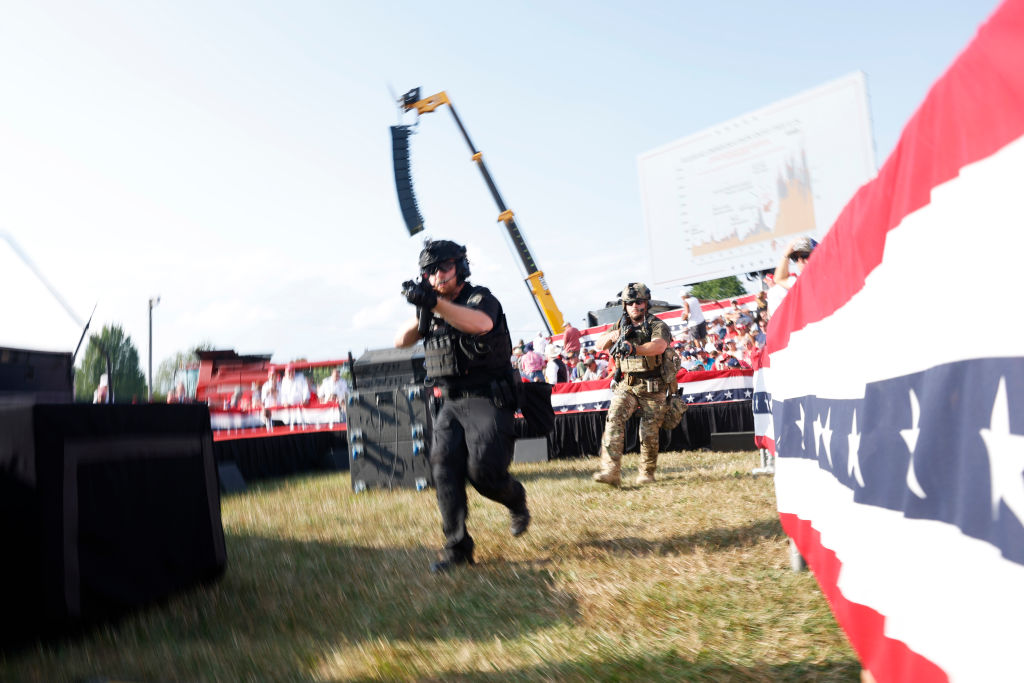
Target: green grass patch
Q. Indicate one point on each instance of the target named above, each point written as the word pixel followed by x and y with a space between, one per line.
pixel 685 579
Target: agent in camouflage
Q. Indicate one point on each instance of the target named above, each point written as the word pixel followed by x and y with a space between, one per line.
pixel 640 386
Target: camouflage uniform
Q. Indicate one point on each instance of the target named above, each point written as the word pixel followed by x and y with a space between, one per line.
pixel 630 394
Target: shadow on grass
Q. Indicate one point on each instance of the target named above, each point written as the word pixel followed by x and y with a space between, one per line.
pixel 323 591
pixel 720 538
pixel 666 667
pixel 292 600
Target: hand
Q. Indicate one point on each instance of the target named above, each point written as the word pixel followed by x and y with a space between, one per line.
pixel 627 348
pixel 419 294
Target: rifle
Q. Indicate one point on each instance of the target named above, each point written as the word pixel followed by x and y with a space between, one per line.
pixel 616 351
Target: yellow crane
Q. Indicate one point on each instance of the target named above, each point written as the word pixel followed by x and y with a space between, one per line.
pixel 535 282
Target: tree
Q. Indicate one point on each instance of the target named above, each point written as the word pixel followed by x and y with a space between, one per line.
pixel 715 290
pixel 163 379
pixel 127 380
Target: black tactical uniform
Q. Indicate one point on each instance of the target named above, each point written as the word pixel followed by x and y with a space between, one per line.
pixel 473 403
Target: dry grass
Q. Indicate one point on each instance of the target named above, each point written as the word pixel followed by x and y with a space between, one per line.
pixel 686 579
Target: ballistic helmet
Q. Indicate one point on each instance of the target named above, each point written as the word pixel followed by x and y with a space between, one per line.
pixel 438 251
pixel 802 247
pixel 635 291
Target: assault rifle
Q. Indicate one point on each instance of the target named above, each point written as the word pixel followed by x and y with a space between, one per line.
pixel 621 347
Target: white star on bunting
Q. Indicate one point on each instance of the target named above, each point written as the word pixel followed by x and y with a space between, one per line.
pixel 853 462
pixel 820 430
pixel 1005 457
pixel 910 437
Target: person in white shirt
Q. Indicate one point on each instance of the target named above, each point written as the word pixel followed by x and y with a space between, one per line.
pixel 540 342
pixel 268 393
pixel 294 389
pixel 333 388
pixel 696 325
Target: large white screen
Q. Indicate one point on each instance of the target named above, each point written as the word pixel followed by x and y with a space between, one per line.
pixel 727 200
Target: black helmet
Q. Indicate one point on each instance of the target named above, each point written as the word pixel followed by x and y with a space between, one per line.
pixel 437 251
pixel 635 291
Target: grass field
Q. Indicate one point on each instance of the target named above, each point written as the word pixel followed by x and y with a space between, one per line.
pixel 685 579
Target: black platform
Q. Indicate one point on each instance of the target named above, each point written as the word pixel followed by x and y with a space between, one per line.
pixel 578 435
pixel 103 508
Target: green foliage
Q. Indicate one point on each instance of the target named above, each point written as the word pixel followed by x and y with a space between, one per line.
pixel 128 380
pixel 163 377
pixel 317 375
pixel 715 290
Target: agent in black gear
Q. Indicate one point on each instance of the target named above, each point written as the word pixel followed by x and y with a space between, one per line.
pixel 467 347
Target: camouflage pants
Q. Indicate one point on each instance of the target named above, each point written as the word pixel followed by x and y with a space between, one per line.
pixel 626 401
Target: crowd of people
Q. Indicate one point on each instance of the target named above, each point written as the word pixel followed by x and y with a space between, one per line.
pixel 560 362
pixel 726 342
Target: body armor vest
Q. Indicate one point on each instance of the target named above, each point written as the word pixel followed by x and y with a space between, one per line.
pixel 451 354
pixel 647 365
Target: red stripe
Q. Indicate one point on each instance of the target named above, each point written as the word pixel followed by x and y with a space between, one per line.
pixel 976 108
pixel 886 658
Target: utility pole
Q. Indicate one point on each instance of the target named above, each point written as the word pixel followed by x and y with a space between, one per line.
pixel 153 301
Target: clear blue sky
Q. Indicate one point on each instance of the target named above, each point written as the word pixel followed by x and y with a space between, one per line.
pixel 234 158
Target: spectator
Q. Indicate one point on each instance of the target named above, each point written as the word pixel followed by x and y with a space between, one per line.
pixel 531 366
pixel 333 388
pixel 734 312
pixel 591 371
pixel 571 340
pixel 268 393
pixel 696 325
pixel 572 361
pixel 102 393
pixel 254 396
pixel 294 389
pixel 760 304
pixel 554 371
pixel 798 251
pixel 540 342
pixel 178 394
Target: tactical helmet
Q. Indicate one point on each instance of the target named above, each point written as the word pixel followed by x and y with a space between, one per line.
pixel 804 245
pixel 436 251
pixel 635 291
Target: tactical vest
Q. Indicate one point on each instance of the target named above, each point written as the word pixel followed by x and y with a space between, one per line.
pixel 644 366
pixel 451 354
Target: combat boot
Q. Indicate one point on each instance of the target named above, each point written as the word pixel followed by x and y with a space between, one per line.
pixel 611 472
pixel 644 478
pixel 648 464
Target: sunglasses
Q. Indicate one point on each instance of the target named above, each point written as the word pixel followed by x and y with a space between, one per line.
pixel 443 266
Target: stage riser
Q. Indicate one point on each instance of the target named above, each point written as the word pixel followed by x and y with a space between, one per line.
pixel 103 509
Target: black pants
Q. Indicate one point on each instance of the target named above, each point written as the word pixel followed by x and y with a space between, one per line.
pixel 474 441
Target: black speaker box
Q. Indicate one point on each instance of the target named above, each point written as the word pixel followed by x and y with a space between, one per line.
pixel 39 376
pixel 733 441
pixel 389 435
pixel 381 369
pixel 102 508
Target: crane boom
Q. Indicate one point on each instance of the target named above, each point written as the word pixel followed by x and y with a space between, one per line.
pixel 535 283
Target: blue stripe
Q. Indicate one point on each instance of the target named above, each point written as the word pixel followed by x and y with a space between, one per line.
pixel 950 459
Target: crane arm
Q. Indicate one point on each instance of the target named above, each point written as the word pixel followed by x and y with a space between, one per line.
pixel 535 282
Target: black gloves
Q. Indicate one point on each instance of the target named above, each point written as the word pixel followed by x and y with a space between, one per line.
pixel 419 294
pixel 626 349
